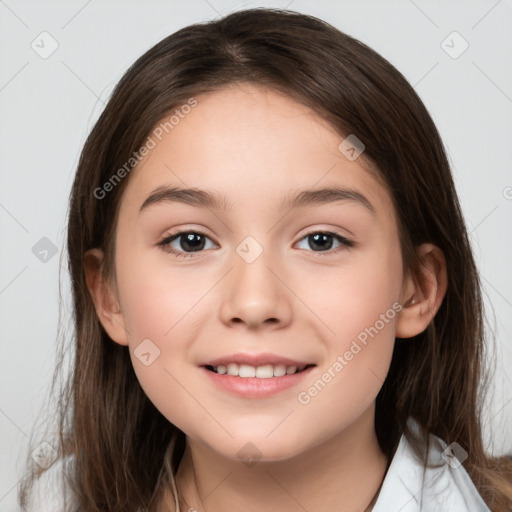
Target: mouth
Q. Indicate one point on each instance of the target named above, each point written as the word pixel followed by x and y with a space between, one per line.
pixel 266 371
pixel 263 378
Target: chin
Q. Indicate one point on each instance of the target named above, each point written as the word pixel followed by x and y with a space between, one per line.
pixel 252 449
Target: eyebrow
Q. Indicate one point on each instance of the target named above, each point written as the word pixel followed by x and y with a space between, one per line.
pixel 217 201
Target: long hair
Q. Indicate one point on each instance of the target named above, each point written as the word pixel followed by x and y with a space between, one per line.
pixel 124 450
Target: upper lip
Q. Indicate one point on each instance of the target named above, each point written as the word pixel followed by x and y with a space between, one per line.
pixel 255 360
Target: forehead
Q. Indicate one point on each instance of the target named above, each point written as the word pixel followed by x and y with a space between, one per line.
pixel 252 143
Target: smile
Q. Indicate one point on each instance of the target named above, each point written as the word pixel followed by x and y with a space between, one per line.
pixel 266 371
pixel 262 381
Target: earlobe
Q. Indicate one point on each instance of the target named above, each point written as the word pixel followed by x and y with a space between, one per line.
pixel 423 293
pixel 104 297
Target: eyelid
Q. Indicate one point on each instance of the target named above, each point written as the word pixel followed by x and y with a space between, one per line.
pixel 183 230
pixel 326 231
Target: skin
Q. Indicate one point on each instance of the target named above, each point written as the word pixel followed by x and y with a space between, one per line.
pixel 256 145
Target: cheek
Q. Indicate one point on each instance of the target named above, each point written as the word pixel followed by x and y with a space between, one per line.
pixel 359 306
pixel 358 354
pixel 159 308
pixel 156 301
pixel 353 298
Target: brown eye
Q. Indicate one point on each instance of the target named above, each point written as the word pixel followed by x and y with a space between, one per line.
pixel 323 241
pixel 185 243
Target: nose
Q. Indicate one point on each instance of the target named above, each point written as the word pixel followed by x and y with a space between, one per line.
pixel 255 294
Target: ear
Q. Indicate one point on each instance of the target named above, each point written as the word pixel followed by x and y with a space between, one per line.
pixel 104 297
pixel 422 293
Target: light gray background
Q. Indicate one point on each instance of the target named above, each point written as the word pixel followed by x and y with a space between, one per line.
pixel 49 105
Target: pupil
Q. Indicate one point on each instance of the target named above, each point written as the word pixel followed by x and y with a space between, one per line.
pixel 194 241
pixel 319 239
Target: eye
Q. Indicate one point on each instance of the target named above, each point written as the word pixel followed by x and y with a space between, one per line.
pixel 186 243
pixel 324 240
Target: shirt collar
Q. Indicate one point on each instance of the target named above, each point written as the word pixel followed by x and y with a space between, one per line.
pixel 444 485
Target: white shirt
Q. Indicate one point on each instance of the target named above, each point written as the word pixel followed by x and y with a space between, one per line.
pixel 406 487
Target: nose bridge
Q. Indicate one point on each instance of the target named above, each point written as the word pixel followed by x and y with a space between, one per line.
pixel 254 294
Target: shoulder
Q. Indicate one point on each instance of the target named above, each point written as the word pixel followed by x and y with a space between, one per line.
pixel 50 492
pixel 443 485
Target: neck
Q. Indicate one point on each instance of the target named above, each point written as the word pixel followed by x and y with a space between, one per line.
pixel 342 473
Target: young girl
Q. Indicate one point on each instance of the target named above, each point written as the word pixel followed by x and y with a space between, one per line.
pixel 276 304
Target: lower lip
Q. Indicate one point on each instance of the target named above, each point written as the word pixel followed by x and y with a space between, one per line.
pixel 252 387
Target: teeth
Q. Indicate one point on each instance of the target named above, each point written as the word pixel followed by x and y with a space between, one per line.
pixel 265 372
pixel 232 369
pixel 280 370
pixel 261 372
pixel 246 371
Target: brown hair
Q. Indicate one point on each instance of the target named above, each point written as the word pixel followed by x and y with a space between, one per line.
pixel 114 433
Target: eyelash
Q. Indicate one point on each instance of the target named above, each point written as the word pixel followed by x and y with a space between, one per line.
pixel 164 244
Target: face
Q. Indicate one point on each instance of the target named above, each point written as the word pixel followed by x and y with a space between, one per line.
pixel 257 285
